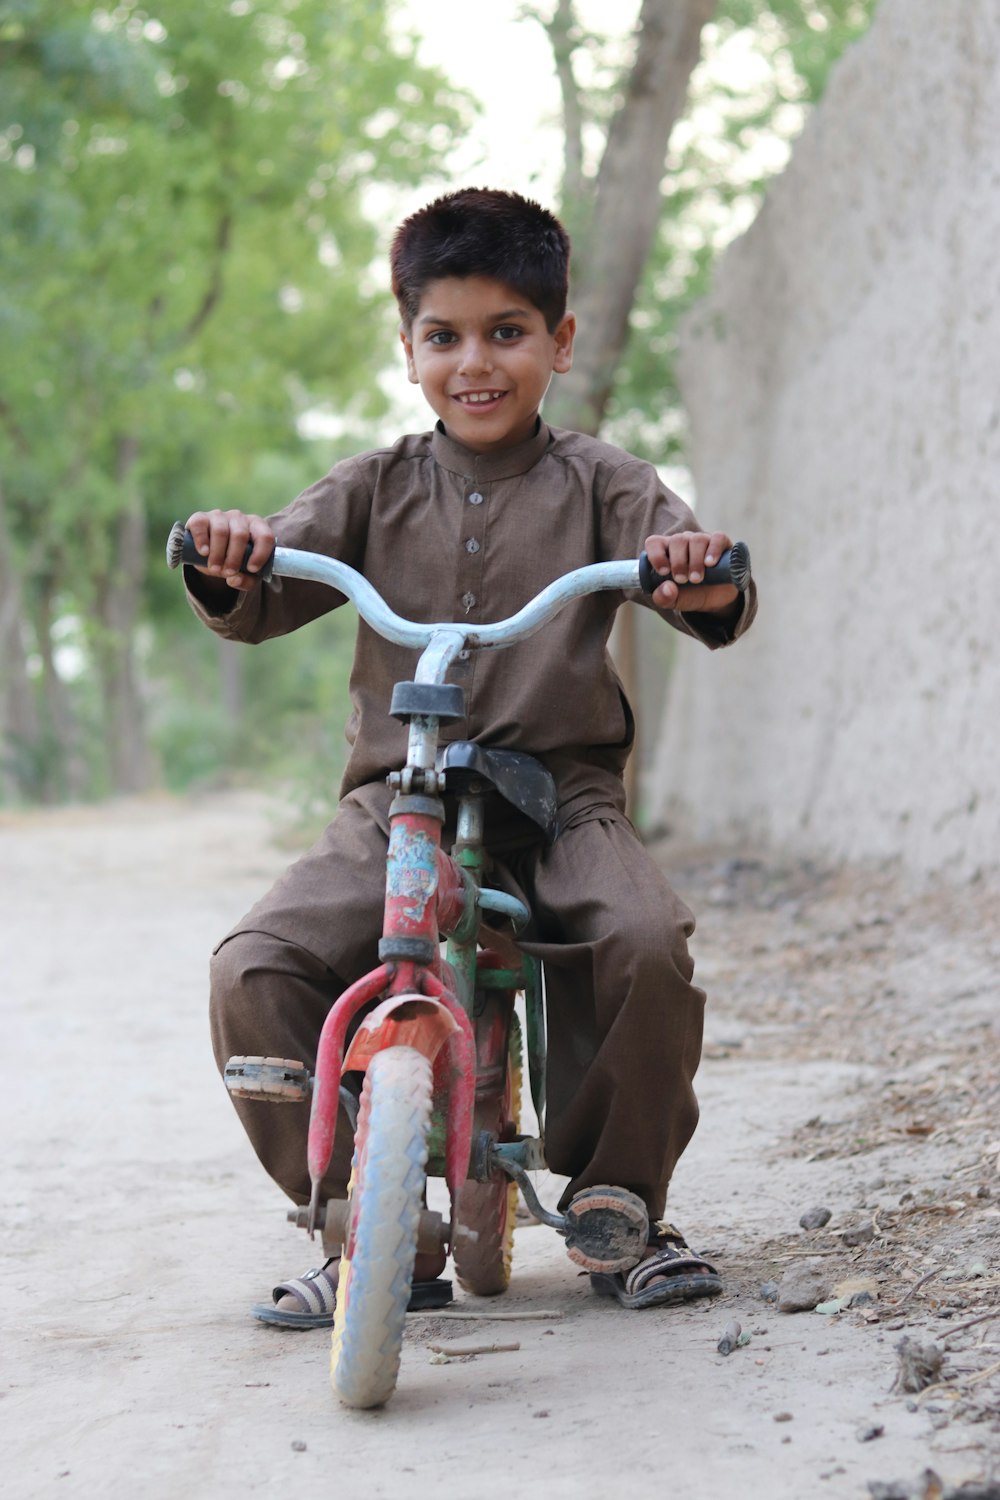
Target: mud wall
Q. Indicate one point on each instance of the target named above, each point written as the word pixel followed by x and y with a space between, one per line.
pixel 843 385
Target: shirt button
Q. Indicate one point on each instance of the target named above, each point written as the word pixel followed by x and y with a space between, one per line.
pixel 472 545
pixel 475 498
pixel 468 600
pixel 464 655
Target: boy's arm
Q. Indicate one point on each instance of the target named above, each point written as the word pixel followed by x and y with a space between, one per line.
pixel 331 517
pixel 636 504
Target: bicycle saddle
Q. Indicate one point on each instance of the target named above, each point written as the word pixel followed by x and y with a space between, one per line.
pixel 519 778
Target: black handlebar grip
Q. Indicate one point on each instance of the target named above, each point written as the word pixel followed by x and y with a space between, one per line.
pixel 733 567
pixel 181 549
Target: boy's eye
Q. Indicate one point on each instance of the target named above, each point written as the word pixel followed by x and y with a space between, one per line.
pixel 506 333
pixel 441 337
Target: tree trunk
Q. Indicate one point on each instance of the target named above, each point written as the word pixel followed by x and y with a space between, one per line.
pixel 625 202
pixel 62 772
pixel 613 232
pixel 19 723
pixel 119 593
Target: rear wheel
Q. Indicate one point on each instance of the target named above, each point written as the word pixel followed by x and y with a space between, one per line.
pixel 385 1198
pixel 484 1242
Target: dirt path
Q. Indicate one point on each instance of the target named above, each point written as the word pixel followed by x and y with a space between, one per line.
pixel 851 1064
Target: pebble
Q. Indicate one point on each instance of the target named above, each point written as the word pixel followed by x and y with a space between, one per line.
pixel 769 1291
pixel 298 1446
pixel 783 1416
pixel 815 1218
pixel 859 1234
pixel 802 1287
pixel 868 1431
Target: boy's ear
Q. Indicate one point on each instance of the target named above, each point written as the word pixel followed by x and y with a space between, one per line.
pixel 564 335
pixel 411 369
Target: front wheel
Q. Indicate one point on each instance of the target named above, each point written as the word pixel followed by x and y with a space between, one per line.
pixel 385 1202
pixel 486 1211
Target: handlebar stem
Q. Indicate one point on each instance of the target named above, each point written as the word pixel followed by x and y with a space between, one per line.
pixel 438 655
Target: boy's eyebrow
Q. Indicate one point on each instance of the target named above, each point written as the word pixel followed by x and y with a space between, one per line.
pixel 498 317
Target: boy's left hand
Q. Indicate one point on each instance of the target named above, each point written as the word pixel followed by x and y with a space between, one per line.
pixel 685 556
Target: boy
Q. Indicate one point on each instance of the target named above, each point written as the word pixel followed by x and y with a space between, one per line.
pixel 468 522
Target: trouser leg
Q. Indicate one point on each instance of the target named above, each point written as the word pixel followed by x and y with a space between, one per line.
pixel 624 1019
pixel 269 998
pixel 275 977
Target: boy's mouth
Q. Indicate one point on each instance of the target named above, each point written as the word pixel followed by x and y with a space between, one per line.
pixel 477 398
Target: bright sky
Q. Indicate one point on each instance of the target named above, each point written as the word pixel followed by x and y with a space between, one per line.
pixel 506 61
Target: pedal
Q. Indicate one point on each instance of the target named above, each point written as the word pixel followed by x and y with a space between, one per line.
pixel 278 1080
pixel 607 1229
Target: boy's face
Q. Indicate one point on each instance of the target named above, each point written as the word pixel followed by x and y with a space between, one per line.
pixel 483 357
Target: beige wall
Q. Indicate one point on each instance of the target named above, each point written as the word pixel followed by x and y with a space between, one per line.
pixel 843 384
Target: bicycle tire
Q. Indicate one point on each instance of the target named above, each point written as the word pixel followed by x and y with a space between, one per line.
pixel 386 1198
pixel 486 1211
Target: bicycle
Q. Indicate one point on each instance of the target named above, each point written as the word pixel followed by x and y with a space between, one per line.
pixel 438 1040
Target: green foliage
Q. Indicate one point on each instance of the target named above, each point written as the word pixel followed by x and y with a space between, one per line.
pixel 185 248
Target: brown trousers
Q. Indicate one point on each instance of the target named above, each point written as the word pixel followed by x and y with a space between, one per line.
pixel 624 1020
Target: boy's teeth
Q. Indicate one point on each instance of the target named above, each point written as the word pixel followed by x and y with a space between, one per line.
pixel 476 396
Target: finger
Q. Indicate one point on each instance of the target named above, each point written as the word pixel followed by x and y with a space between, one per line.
pixel 236 545
pixel 718 543
pixel 263 544
pixel 697 547
pixel 218 540
pixel 655 548
pixel 666 595
pixel 199 526
pixel 697 599
pixel 678 556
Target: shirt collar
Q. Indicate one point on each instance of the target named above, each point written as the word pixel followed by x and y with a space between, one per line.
pixel 482 467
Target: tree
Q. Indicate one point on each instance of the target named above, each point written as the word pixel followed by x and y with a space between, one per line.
pixel 185 242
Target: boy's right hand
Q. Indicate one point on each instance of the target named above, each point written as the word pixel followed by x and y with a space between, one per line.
pixel 221 536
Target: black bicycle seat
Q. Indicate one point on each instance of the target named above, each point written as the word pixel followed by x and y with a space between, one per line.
pixel 519 778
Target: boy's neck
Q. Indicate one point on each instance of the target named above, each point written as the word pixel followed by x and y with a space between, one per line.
pixel 498 463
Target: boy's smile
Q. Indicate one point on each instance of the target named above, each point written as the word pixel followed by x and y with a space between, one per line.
pixel 483 357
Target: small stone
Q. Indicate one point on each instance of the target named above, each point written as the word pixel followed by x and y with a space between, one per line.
pixel 769 1291
pixel 869 1431
pixel 859 1234
pixel 815 1218
pixel 803 1286
pixel 783 1416
pixel 298 1446
pixel 919 1365
pixel 730 1339
pixel 539 1413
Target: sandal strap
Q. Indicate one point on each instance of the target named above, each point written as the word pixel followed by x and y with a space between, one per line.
pixel 669 1260
pixel 314 1290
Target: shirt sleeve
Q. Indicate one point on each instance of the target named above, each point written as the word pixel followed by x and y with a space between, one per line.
pixel 636 504
pixel 331 517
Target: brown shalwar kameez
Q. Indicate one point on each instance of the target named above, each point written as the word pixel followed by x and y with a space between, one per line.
pixel 446 534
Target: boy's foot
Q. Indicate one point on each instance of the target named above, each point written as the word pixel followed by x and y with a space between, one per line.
pixel 308 1301
pixel 668 1272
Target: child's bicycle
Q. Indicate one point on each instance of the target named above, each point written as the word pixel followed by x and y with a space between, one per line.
pixel 439 1043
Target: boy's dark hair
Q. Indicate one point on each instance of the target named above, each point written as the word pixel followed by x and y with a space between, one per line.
pixel 483 232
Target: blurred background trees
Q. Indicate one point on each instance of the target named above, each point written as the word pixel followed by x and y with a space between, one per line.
pixel 191 205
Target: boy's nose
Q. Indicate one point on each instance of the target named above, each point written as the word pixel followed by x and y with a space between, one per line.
pixel 475 358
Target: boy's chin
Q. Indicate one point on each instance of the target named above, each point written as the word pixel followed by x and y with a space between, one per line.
pixel 489 441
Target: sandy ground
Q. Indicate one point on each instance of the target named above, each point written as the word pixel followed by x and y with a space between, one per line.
pixel 851 1063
